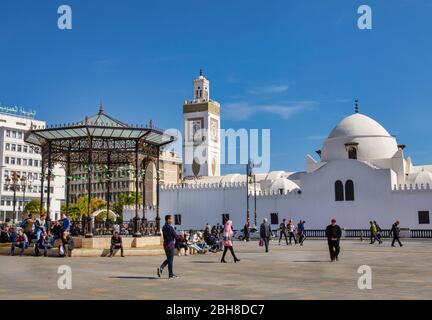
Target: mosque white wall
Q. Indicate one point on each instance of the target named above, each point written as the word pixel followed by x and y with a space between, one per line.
pixel 375 199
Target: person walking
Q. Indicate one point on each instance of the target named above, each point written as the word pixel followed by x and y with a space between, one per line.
pixel 373 232
pixel 395 231
pixel 291 231
pixel 246 233
pixel 379 230
pixel 265 234
pixel 227 235
pixel 333 233
pixel 301 232
pixel 283 231
pixel 170 237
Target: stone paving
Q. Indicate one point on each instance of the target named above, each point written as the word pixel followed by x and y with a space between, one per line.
pixel 284 273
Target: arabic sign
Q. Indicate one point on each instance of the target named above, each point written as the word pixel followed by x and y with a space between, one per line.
pixel 19 111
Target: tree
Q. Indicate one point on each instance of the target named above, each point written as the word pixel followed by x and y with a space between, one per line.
pixel 80 209
pixel 126 200
pixel 33 207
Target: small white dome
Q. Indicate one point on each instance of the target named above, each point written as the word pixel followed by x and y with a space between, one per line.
pixel 283 184
pixel 424 177
pixel 370 139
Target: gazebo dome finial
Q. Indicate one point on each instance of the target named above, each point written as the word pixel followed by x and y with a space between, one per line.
pixel 101 108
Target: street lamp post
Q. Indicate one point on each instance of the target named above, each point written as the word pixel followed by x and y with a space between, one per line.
pixel 248 174
pixel 13 185
pixel 25 183
pixel 255 200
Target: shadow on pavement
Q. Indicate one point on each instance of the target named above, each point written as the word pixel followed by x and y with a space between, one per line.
pixel 135 277
pixel 314 261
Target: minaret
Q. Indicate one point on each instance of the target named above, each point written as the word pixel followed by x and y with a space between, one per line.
pixel 201 132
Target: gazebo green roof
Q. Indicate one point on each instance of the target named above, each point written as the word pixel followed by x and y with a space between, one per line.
pixel 99 126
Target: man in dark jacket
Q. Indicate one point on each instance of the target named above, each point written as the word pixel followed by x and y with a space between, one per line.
pixel 265 233
pixel 395 230
pixel 170 237
pixel 333 234
pixel 282 231
pixel 116 243
pixel 246 231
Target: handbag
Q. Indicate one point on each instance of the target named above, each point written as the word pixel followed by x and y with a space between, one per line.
pixel 261 242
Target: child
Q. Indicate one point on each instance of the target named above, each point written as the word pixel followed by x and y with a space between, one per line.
pixel 21 241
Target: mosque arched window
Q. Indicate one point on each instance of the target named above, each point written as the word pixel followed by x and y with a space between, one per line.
pixel 349 190
pixel 339 191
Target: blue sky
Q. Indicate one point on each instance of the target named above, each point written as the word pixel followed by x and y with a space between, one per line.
pixel 292 66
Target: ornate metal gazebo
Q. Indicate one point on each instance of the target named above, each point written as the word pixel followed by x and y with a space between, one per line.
pixel 99 140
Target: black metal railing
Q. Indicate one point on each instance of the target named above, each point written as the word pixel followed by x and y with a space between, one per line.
pixel 315 233
pixel 421 233
pixel 104 228
pixel 365 233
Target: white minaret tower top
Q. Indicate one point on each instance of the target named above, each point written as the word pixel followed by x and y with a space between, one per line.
pixel 201 132
pixel 201 89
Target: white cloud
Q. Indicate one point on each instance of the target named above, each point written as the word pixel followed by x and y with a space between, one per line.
pixel 269 89
pixel 244 110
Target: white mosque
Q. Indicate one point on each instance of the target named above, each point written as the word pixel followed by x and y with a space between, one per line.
pixel 361 174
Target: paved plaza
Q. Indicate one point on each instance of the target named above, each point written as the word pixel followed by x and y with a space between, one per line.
pixel 283 273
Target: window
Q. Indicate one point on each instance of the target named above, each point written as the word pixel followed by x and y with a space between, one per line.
pixel 7 160
pixel 8 133
pixel 12 160
pixel 177 219
pixel 274 218
pixel 25 148
pixel 7 146
pixel 13 147
pixel 19 161
pixel 14 134
pixel 339 192
pixel 349 190
pixel 30 162
pixel 24 162
pixel 225 217
pixel 20 135
pixel 19 148
pixel 352 153
pixel 36 163
pixel 423 217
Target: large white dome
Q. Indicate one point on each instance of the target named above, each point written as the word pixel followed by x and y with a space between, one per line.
pixel 358 125
pixel 370 139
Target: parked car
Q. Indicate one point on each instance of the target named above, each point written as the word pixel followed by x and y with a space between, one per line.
pixel 254 234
